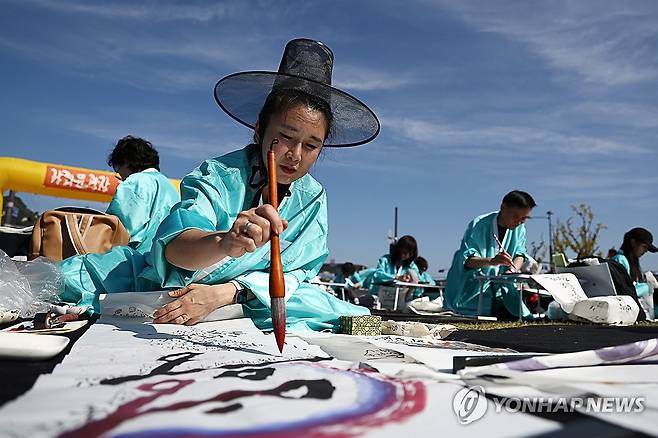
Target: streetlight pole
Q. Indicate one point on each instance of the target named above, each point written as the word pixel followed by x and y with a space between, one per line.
pixel 395 229
pixel 550 242
pixel 549 215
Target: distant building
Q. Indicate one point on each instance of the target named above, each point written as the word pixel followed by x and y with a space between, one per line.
pixel 15 212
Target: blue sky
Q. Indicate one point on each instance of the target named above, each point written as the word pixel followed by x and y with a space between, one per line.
pixel 475 98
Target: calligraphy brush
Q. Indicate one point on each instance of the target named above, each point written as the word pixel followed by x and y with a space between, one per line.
pixel 277 284
pixel 500 245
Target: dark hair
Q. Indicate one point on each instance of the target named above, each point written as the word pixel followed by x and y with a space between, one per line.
pixel 422 264
pixel 404 244
pixel 348 269
pixel 134 152
pixel 633 260
pixel 284 99
pixel 519 199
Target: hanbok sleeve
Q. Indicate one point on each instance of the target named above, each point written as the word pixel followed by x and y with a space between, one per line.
pixel 363 277
pixel 472 244
pixel 642 289
pixel 202 207
pixel 382 274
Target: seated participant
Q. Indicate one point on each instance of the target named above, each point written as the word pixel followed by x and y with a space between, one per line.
pixel 398 265
pixel 145 195
pixel 347 270
pixel 423 277
pixel 213 245
pixel 636 243
pixel 480 254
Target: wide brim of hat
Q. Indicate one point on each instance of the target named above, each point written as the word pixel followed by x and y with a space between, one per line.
pixel 652 248
pixel 242 95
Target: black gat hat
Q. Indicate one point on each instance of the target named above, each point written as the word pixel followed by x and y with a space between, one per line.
pixel 306 66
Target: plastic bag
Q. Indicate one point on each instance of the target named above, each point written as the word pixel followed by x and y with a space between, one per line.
pixel 28 287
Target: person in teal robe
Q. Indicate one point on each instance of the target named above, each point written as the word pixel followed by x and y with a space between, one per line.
pixel 145 196
pixel 480 254
pixel 397 265
pixel 362 279
pixel 426 278
pixel 213 246
pixel 344 277
pixel 423 276
pixel 637 242
pixel 214 195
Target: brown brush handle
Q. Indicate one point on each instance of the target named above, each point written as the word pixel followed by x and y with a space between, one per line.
pixel 277 284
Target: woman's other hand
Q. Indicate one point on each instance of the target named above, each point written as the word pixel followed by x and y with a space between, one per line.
pixel 194 302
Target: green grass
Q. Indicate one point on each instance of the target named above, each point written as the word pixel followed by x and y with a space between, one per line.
pixel 496 325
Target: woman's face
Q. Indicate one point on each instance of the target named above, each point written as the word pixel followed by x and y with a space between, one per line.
pixel 639 248
pixel 301 133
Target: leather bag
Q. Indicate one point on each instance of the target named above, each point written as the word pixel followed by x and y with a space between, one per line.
pixel 69 231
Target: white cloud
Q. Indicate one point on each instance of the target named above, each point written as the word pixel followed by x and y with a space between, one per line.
pixel 138 61
pixel 605 183
pixel 176 135
pixel 351 77
pixel 615 113
pixel 374 157
pixel 231 50
pixel 502 140
pixel 152 11
pixel 605 42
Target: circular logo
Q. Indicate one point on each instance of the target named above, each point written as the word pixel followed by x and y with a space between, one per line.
pixel 469 404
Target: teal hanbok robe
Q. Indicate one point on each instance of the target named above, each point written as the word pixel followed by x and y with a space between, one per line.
pixel 212 196
pixel 385 273
pixel 141 202
pixel 423 278
pixel 362 277
pixel 642 289
pixel 426 278
pixel 463 287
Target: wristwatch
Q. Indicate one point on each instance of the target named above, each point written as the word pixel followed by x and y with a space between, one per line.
pixel 242 294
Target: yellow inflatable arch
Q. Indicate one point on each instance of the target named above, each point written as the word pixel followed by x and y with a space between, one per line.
pixel 58 180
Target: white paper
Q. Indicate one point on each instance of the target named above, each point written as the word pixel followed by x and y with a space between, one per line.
pixel 435 354
pixel 565 289
pixel 142 305
pixel 226 378
pixel 617 310
pixel 352 348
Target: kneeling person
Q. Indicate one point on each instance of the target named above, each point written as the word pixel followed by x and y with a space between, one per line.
pixel 481 254
pixel 213 246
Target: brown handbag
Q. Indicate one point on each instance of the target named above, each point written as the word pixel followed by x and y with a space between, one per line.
pixel 68 231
